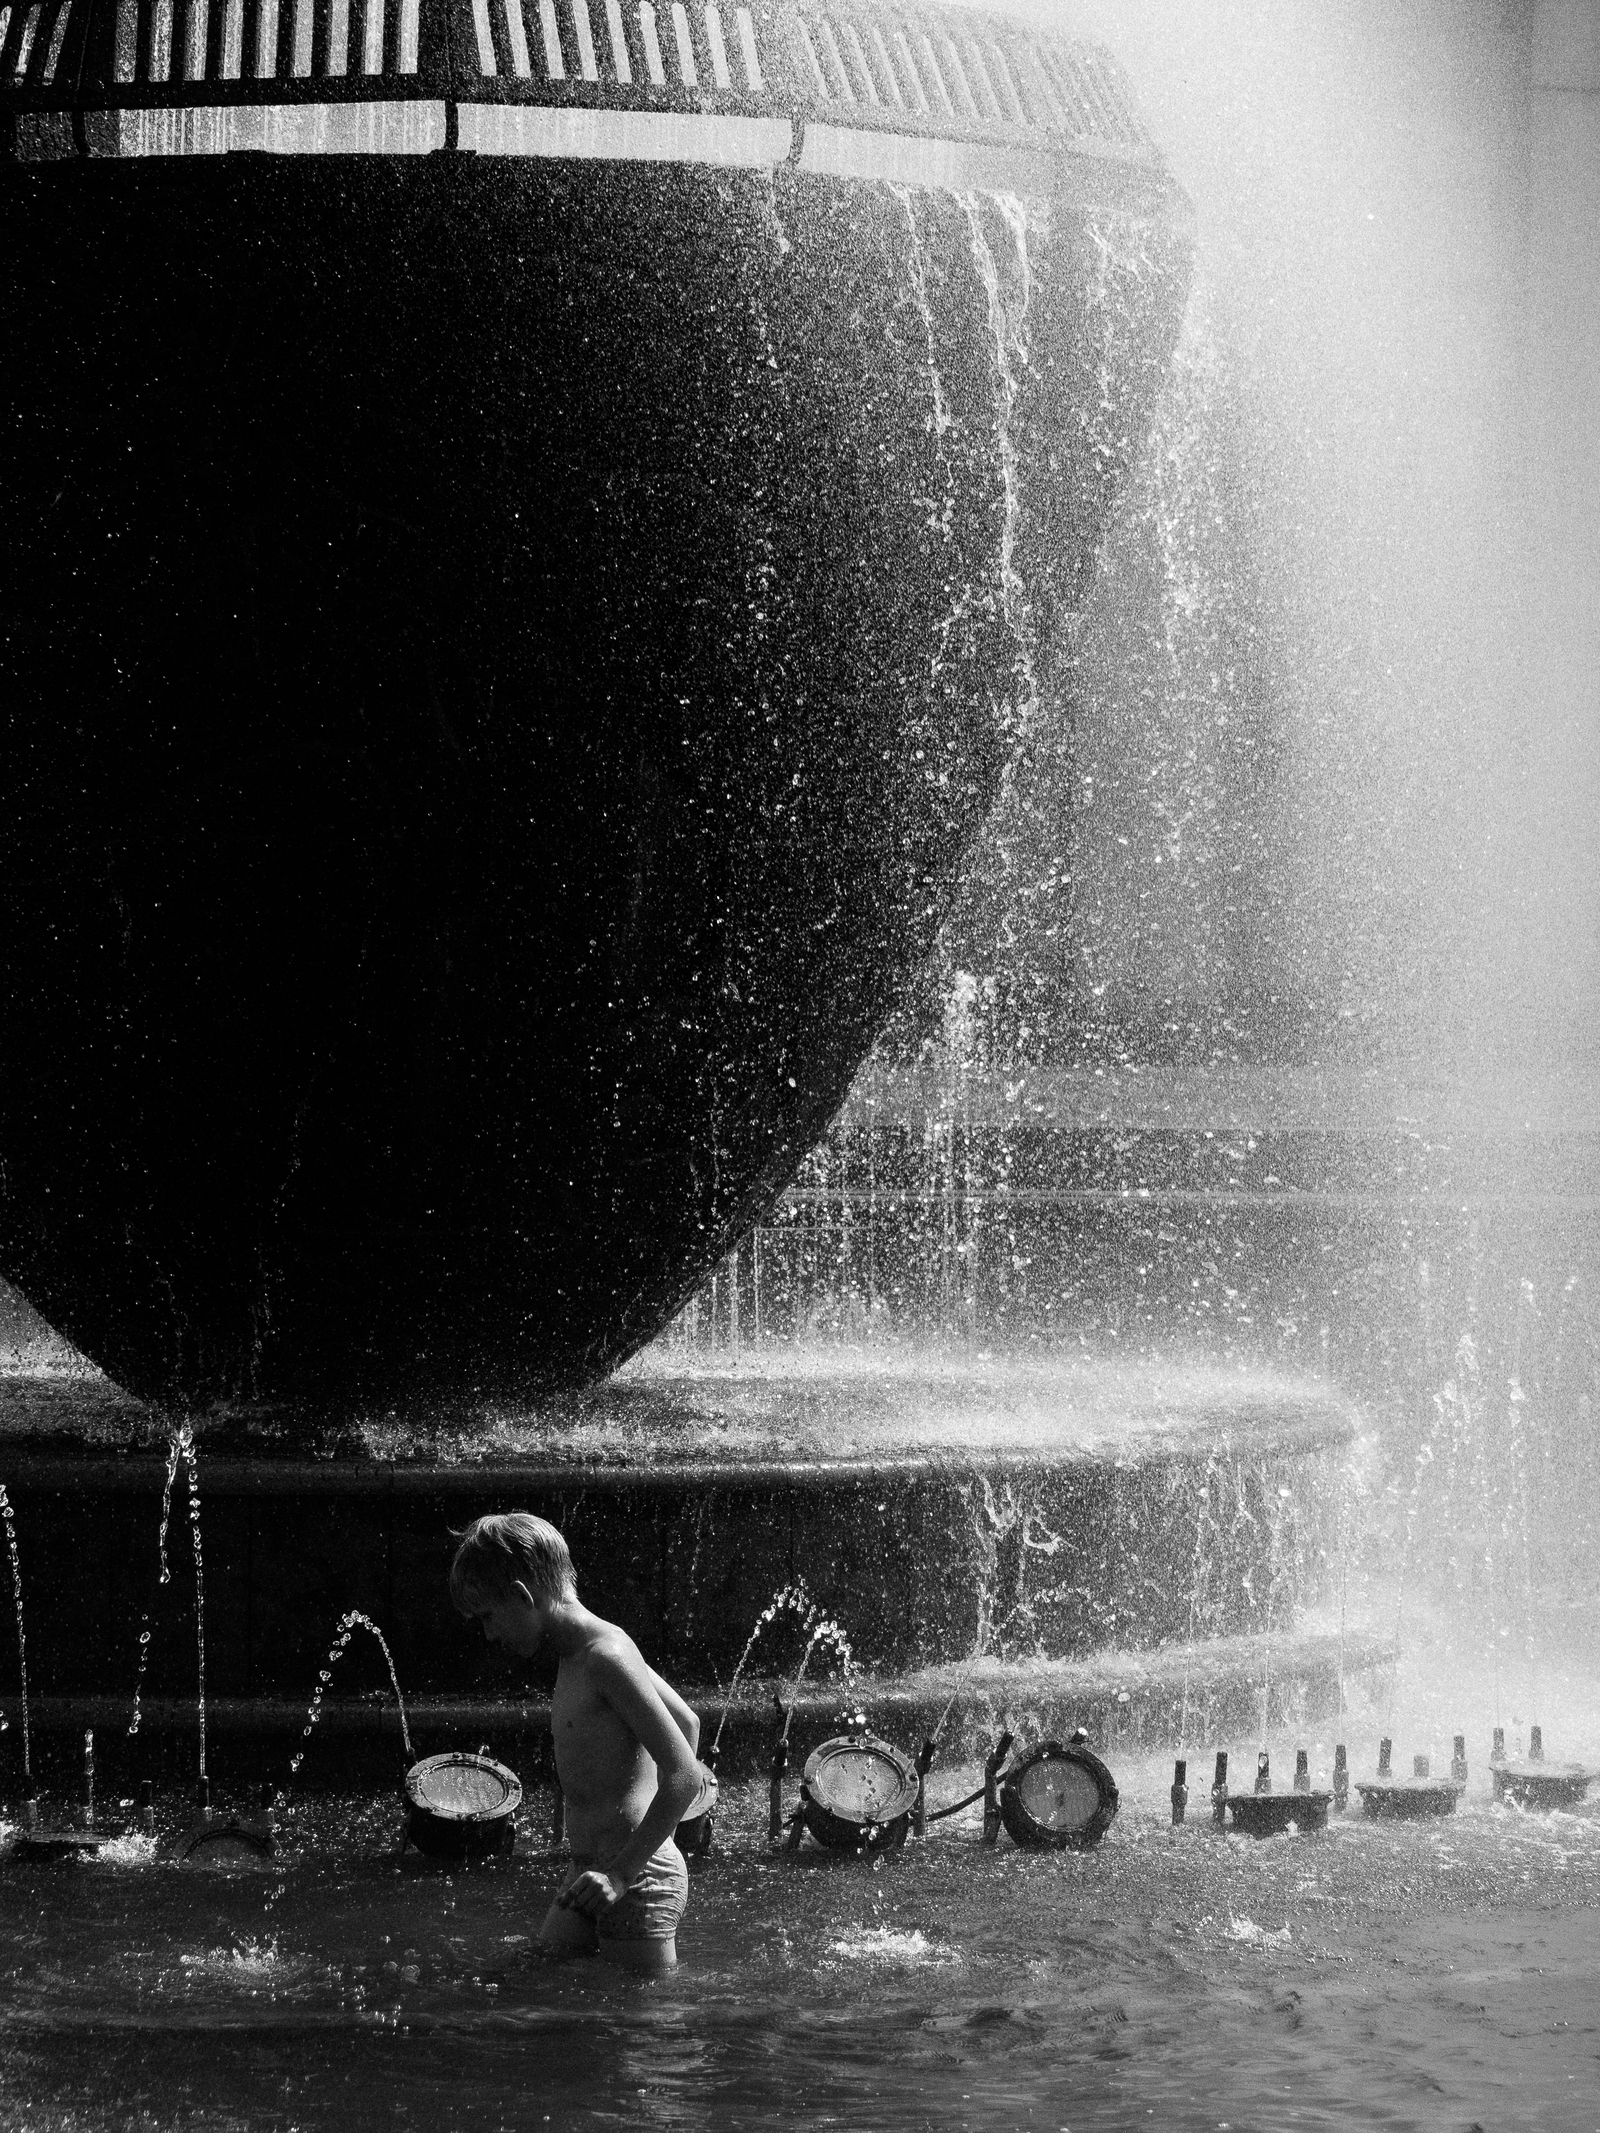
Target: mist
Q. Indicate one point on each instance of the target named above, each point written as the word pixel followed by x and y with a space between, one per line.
pixel 1331 774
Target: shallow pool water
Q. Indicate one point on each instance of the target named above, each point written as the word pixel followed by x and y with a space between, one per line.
pixel 1433 1976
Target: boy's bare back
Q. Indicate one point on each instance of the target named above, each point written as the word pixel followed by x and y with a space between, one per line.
pixel 624 1742
pixel 607 1772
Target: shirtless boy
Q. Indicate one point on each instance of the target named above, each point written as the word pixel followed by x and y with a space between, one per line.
pixel 624 1743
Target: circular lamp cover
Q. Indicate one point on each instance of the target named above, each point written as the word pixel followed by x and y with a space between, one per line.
pixel 1058 1799
pixel 462 1804
pixel 858 1790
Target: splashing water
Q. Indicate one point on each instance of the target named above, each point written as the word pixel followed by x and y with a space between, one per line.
pixel 348 1625
pixel 22 1635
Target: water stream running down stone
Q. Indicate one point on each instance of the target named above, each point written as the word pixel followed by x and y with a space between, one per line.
pixel 1008 322
pixel 348 1624
pixel 22 1634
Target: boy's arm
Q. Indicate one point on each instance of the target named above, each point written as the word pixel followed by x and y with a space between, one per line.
pixel 686 1721
pixel 626 1683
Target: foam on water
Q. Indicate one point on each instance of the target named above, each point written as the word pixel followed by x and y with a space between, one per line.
pixel 885 1947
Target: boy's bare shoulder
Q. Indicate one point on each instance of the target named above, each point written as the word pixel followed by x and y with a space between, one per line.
pixel 611 1651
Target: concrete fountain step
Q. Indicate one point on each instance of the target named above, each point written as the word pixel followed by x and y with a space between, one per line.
pixel 1212 1692
pixel 926 1503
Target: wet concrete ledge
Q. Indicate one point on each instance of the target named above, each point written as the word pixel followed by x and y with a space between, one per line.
pixel 1266 1433
pixel 1135 1700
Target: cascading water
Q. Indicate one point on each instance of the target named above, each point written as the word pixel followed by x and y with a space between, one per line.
pixel 191 1461
pixel 22 1634
pixel 1008 326
pixel 174 1454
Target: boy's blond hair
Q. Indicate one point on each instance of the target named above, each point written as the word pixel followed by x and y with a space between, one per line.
pixel 506 1548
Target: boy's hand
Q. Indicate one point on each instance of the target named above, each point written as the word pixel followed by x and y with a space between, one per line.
pixel 593 1893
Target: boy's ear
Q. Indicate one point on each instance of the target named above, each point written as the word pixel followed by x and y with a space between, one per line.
pixel 523 1593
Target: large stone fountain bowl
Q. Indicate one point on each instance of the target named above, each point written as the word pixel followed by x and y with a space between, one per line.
pixel 538 530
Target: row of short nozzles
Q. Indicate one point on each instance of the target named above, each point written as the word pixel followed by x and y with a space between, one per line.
pixel 1422 1765
pixel 147 1810
pixel 1341 1771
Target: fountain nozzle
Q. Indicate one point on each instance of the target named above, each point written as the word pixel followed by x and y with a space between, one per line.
pixel 1497 1754
pixel 1219 1789
pixel 1341 1778
pixel 1536 1744
pixel 1263 1772
pixel 991 1788
pixel 1385 1752
pixel 1458 1759
pixel 88 1779
pixel 1302 1770
pixel 919 1814
pixel 1180 1790
pixel 780 1763
pixel 1421 1766
pixel 147 1804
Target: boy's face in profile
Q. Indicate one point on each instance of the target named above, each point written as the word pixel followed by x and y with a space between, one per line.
pixel 513 1620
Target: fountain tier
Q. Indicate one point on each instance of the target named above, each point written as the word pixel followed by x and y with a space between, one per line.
pixel 512 645
pixel 1021 1512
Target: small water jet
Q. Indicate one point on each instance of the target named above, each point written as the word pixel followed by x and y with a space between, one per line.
pixel 796 1599
pixel 349 1623
pixel 80 1839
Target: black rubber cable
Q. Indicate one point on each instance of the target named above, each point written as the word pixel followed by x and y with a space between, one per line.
pixel 971 1800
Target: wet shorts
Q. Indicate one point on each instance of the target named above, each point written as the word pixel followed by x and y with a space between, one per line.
pixel 652 1904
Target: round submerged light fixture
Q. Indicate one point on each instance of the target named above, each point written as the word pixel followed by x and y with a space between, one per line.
pixel 462 1806
pixel 1058 1799
pixel 857 1793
